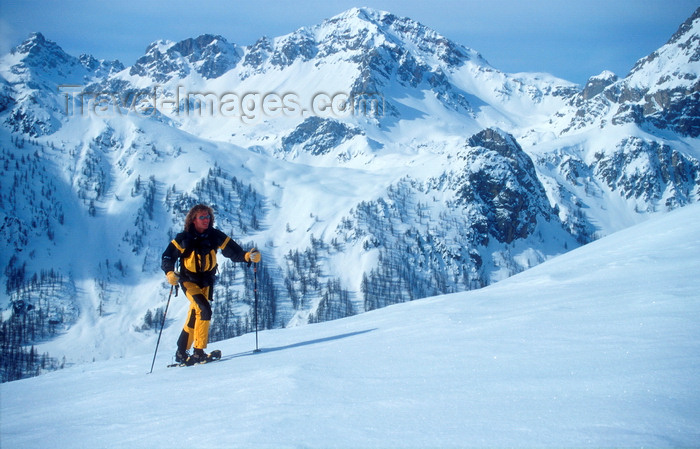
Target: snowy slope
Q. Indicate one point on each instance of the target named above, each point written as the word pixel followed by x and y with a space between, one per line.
pixel 599 347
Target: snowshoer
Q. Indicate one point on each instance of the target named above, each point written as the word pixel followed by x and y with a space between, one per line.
pixel 196 249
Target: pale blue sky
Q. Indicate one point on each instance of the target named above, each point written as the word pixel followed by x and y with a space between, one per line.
pixel 571 39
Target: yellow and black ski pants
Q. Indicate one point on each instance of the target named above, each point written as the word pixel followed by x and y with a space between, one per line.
pixel 199 315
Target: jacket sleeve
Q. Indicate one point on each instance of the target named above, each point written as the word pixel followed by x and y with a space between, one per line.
pixel 169 257
pixel 231 249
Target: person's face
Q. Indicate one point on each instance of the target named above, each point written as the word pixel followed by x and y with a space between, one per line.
pixel 201 221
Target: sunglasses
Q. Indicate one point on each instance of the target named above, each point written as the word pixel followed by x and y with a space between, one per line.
pixel 204 217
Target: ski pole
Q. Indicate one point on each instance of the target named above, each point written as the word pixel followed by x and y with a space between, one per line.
pixel 255 294
pixel 162 324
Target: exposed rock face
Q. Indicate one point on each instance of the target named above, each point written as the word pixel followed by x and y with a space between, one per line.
pixel 498 179
pixel 597 84
pixel 319 136
pixel 661 90
pixel 651 172
pixel 210 56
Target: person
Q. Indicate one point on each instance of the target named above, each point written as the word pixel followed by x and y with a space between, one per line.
pixel 196 248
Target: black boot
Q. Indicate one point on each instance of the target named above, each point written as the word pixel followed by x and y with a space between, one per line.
pixel 198 356
pixel 181 356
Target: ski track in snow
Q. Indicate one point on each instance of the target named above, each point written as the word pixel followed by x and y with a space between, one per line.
pixel 599 347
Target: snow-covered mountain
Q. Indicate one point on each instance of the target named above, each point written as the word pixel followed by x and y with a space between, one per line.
pixel 596 348
pixel 371 159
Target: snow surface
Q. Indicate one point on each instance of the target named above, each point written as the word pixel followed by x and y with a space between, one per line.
pixel 599 347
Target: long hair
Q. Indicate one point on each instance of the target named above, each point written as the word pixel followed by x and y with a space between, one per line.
pixel 196 210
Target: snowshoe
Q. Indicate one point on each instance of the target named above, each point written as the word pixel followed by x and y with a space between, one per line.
pixel 199 357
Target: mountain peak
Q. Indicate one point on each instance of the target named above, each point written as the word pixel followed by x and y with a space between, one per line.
pixel 660 90
pixel 362 13
pixel 35 41
pixel 36 48
pixel 686 27
pixel 362 27
pixel 209 55
pixel 205 44
pixel 677 59
pixel 38 58
pixel 596 84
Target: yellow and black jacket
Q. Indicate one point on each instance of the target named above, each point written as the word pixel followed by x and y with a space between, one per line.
pixel 197 254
